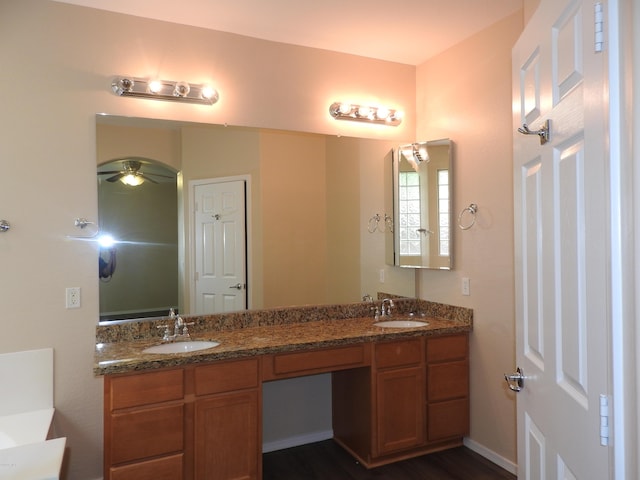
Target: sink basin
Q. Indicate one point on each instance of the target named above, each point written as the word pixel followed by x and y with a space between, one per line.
pixel 401 324
pixel 181 347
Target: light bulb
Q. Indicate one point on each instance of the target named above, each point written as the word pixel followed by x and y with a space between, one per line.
pixel 122 85
pixel 209 92
pixel 382 113
pixel 364 111
pixel 181 89
pixel 132 180
pixel 344 108
pixel 155 86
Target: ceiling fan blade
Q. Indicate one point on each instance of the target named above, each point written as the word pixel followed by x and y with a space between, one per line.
pixel 159 175
pixel 146 177
pixel 115 178
pixel 110 172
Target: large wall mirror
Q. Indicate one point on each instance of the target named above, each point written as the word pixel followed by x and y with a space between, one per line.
pixel 422 182
pixel 308 198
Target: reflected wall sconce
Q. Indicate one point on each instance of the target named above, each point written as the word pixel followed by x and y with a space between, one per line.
pixel 360 113
pixel 164 90
pixel 416 151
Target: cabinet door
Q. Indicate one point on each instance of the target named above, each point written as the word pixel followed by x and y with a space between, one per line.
pixel 400 416
pixel 227 436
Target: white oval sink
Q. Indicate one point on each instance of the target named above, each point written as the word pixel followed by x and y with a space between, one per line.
pixel 181 347
pixel 401 324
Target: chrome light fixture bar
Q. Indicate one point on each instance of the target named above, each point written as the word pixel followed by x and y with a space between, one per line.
pixel 360 113
pixel 164 90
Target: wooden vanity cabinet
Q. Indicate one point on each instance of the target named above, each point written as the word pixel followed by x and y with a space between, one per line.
pixel 391 400
pixel 197 422
pixel 144 422
pixel 399 379
pixel 228 423
pixel 379 412
pixel 447 387
pixel 413 400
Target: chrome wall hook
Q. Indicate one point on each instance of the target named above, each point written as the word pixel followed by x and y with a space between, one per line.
pixel 543 133
pixel 4 226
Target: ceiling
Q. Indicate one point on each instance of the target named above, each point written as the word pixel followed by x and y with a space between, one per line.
pixel 403 31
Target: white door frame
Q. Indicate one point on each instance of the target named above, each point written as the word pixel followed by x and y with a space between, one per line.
pixel 624 224
pixel 249 234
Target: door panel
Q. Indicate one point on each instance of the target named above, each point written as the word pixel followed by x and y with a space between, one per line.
pixel 561 230
pixel 220 246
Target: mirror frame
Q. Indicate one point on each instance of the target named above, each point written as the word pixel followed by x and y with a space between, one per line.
pixel 419 161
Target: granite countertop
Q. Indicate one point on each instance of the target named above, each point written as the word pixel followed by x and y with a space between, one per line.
pixel 126 356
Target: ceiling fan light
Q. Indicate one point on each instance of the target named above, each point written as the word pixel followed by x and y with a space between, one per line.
pixel 132 179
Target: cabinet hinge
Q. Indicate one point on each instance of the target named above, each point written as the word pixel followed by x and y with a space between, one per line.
pixel 604 420
pixel 598 27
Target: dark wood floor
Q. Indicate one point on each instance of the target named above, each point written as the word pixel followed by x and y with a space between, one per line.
pixel 328 461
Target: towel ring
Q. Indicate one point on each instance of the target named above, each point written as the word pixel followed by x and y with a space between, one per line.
pixel 4 226
pixel 472 209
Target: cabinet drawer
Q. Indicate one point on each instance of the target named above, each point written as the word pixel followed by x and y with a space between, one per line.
pixel 398 354
pixel 447 348
pixel 227 376
pixel 146 388
pixel 315 361
pixel 167 468
pixel 448 380
pixel 448 419
pixel 146 433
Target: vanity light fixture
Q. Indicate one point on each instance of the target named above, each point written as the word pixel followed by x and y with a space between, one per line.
pixel 362 113
pixel 164 90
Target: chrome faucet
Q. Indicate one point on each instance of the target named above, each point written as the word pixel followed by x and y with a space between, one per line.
pixel 387 305
pixel 178 324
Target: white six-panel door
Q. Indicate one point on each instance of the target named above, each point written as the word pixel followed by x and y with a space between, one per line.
pixel 220 283
pixel 561 231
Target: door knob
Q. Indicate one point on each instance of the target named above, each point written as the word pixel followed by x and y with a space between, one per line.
pixel 237 286
pixel 515 380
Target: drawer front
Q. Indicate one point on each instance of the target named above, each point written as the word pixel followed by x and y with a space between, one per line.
pixel 452 347
pixel 316 361
pixel 146 433
pixel 146 388
pixel 398 354
pixel 227 376
pixel 167 468
pixel 447 380
pixel 448 419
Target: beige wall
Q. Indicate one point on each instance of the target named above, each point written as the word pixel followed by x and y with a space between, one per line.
pixel 465 94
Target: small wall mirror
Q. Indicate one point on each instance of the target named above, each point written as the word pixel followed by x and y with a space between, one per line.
pixel 422 189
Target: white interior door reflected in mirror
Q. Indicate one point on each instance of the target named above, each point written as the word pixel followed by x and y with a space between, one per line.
pixel 220 245
pixel 422 192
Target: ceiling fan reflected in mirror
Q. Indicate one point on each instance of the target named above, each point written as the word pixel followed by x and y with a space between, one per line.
pixel 131 175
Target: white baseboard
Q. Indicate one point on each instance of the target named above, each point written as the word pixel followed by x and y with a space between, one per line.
pixel 492 456
pixel 296 441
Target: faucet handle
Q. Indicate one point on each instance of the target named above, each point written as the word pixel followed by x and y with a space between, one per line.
pixel 166 335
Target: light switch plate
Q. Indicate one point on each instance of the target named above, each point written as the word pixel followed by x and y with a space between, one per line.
pixel 466 286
